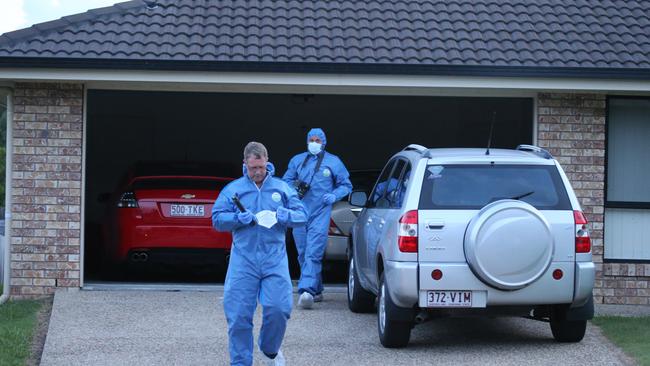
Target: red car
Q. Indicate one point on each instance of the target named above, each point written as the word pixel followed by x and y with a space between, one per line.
pixel 160 216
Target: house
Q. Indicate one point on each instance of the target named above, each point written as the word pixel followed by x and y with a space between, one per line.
pixel 91 93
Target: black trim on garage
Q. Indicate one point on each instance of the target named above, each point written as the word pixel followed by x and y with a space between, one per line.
pixel 326 68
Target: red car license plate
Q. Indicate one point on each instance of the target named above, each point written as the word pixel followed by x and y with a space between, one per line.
pixel 187 210
pixel 452 299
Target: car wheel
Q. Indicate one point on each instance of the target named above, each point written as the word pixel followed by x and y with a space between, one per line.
pixel 359 300
pixel 566 330
pixel 393 333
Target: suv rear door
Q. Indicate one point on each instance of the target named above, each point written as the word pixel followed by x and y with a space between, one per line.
pixel 452 195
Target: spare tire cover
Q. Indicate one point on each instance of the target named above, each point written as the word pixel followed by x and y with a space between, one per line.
pixel 509 244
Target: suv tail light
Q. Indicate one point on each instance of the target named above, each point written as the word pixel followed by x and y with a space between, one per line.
pixel 583 241
pixel 333 229
pixel 408 232
pixel 127 200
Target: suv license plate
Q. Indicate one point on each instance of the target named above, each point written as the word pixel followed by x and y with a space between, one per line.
pixel 449 299
pixel 187 210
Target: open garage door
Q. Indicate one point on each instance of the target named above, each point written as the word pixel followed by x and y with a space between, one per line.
pixel 126 127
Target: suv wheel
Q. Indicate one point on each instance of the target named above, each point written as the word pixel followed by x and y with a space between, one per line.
pixel 566 330
pixel 359 300
pixel 392 333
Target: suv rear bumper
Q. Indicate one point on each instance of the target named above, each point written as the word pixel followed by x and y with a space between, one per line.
pixel 402 280
pixel 584 283
pixel 574 288
pixel 545 290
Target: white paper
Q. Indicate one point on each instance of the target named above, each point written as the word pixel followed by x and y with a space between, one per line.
pixel 266 218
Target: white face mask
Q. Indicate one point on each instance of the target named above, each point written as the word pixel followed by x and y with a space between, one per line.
pixel 314 147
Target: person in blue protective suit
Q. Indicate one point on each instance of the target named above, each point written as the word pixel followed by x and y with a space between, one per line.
pixel 320 179
pixel 258 267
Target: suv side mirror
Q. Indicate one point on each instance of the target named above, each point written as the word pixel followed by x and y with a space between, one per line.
pixel 358 198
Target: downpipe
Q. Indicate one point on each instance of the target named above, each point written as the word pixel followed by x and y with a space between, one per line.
pixel 6 277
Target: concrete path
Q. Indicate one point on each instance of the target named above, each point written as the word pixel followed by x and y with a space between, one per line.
pixel 188 328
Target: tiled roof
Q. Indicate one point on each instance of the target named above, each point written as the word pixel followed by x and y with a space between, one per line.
pixel 554 34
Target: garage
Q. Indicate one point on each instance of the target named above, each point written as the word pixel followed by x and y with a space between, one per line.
pixel 90 94
pixel 125 127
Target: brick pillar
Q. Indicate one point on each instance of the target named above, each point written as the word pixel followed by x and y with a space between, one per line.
pixel 46 183
pixel 572 128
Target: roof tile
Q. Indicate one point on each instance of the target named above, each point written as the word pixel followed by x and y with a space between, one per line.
pixel 609 33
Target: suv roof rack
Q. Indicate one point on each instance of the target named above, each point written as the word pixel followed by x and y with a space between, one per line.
pixel 425 152
pixel 535 150
pixel 415 147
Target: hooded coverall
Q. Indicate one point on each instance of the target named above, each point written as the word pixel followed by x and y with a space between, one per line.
pixel 311 240
pixel 258 267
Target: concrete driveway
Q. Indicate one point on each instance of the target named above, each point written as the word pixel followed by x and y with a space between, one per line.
pixel 189 328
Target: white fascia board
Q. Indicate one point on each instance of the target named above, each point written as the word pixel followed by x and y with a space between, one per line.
pixel 322 83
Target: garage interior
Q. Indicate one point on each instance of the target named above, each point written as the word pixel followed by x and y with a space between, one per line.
pixel 125 127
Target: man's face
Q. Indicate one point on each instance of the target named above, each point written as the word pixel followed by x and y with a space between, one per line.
pixel 315 139
pixel 256 168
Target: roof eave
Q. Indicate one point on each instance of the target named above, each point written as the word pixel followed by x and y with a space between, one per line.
pixel 327 68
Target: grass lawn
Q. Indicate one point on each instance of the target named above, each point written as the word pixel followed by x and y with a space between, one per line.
pixel 631 334
pixel 18 321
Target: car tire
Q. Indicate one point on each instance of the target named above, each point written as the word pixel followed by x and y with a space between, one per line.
pixel 393 333
pixel 359 300
pixel 565 330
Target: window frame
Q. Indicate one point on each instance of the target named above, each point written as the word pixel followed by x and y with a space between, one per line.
pixel 606 202
pixel 617 204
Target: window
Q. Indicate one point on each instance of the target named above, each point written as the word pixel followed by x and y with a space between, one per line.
pixel 393 185
pixel 474 186
pixel 627 204
pixel 403 183
pixel 380 186
pixel 4 100
pixel 627 146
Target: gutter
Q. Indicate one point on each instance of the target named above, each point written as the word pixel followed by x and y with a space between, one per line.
pixel 6 279
pixel 333 68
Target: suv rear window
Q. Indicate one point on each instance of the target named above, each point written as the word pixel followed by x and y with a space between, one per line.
pixel 474 186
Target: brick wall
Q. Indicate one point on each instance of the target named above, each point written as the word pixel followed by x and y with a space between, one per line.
pixel 46 183
pixel 572 128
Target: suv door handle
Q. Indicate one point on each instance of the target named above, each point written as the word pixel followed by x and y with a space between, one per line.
pixel 435 225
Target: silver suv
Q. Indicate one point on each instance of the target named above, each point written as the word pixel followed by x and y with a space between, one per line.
pixel 467 232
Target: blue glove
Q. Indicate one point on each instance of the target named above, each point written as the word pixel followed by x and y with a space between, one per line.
pixel 329 198
pixel 245 217
pixel 282 214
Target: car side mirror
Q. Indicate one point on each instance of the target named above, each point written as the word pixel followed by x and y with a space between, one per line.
pixel 358 198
